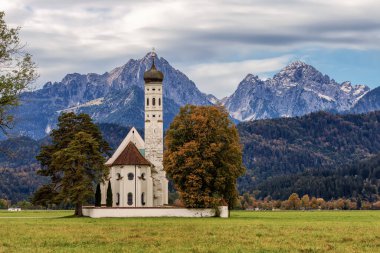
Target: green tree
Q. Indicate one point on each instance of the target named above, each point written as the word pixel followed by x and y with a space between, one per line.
pixel 74 162
pixel 3 203
pixel 203 156
pixel 98 196
pixel 17 71
pixel 109 195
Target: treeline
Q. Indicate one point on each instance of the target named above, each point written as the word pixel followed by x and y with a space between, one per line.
pixel 317 154
pixel 294 202
pixel 359 180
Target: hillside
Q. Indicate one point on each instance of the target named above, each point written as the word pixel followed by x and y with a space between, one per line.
pixel 289 146
pixel 303 154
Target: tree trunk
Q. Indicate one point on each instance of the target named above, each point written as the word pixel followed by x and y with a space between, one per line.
pixel 78 209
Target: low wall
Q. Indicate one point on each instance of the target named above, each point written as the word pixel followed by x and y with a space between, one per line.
pixel 102 212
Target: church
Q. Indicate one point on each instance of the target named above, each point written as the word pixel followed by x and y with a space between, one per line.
pixel 137 176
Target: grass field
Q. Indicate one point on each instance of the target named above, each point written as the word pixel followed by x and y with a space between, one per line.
pixel 293 231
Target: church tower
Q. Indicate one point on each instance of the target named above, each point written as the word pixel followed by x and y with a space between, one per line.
pixel 154 143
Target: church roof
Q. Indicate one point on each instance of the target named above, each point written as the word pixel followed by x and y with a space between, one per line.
pixel 130 156
pixel 153 75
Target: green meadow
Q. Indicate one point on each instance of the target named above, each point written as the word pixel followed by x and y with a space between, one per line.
pixel 292 231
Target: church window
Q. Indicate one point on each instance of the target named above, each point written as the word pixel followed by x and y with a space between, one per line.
pixel 117 199
pixel 147 101
pixel 143 198
pixel 159 101
pixel 143 176
pixel 147 89
pixel 130 176
pixel 159 115
pixel 153 101
pixel 153 115
pixel 159 89
pixel 130 199
pixel 153 89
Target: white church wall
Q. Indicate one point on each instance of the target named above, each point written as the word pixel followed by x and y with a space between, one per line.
pixel 153 212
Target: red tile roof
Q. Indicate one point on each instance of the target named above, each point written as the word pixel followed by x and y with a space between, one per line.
pixel 131 156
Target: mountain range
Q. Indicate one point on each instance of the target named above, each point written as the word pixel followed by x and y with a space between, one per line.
pixel 117 96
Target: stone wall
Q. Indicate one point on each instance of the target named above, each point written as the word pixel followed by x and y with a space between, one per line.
pixel 103 212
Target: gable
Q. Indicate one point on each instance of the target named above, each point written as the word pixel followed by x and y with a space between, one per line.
pixel 130 156
pixel 134 137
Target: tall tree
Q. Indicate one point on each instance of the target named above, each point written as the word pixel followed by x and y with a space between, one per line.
pixel 17 71
pixel 109 195
pixel 203 156
pixel 74 161
pixel 98 196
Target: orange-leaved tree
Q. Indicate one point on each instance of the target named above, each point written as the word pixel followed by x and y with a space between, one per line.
pixel 203 156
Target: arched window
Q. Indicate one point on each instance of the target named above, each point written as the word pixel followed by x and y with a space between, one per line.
pixel 147 101
pixel 159 101
pixel 130 198
pixel 130 176
pixel 143 199
pixel 117 199
pixel 153 101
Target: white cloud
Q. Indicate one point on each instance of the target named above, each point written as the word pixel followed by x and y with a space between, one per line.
pixel 222 79
pixel 95 36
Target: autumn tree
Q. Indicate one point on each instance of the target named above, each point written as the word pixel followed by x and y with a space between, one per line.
pixel 305 201
pixel 74 162
pixel 294 201
pixel 17 71
pixel 203 156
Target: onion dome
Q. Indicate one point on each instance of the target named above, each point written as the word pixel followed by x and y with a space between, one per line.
pixel 153 75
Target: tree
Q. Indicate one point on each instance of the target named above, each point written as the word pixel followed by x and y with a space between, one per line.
pixel 3 203
pixel 74 162
pixel 98 196
pixel 305 201
pixel 294 201
pixel 203 156
pixel 109 195
pixel 17 71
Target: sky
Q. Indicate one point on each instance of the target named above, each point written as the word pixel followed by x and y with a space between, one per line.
pixel 216 43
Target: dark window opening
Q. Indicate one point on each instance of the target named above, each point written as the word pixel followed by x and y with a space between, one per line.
pixel 147 101
pixel 117 199
pixel 153 101
pixel 130 199
pixel 154 115
pixel 159 101
pixel 130 176
pixel 153 89
pixel 143 176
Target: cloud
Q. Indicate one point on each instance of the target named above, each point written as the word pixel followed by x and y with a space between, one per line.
pixel 221 79
pixel 95 36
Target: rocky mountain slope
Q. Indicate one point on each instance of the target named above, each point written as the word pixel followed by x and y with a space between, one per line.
pixel 118 97
pixel 368 103
pixel 296 90
pixel 113 97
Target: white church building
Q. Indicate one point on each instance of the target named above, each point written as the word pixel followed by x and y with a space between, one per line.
pixel 137 176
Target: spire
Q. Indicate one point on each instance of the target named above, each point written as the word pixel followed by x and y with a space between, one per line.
pixel 153 75
pixel 153 56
